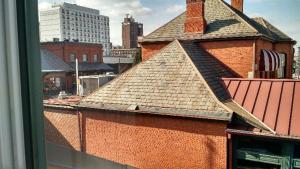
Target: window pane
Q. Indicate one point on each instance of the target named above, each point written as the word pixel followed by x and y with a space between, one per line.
pixel 84 58
pixel 72 57
pixel 95 58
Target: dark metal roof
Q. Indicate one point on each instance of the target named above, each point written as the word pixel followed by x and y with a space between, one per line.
pixel 52 63
pixel 84 67
pixel 223 22
pixel 274 102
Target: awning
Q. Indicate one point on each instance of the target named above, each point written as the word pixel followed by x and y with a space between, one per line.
pixel 269 60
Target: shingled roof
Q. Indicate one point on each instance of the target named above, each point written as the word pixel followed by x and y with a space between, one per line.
pixel 52 63
pixel 169 83
pixel 223 22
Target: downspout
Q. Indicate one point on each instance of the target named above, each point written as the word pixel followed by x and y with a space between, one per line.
pixel 80 129
pixel 254 59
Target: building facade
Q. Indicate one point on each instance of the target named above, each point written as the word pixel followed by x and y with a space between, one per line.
pixel 90 59
pixel 75 23
pixel 69 51
pixel 131 30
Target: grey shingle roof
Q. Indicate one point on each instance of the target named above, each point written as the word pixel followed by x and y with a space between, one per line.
pixel 271 30
pixel 222 22
pixel 169 83
pixel 52 63
pixel 212 71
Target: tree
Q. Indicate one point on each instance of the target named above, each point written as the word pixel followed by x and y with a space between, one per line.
pixel 297 65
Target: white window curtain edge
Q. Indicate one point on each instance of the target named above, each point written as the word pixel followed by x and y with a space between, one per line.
pixel 12 151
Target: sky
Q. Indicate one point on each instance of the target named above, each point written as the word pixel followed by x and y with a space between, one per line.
pixel 284 14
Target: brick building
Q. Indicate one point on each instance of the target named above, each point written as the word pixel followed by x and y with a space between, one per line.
pixel 69 51
pixel 131 30
pixel 227 34
pixel 90 59
pixel 185 105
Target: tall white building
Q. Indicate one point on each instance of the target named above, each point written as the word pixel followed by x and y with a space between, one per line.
pixel 75 23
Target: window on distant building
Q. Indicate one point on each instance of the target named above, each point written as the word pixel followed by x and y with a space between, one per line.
pixel 95 58
pixel 281 70
pixel 57 82
pixel 72 57
pixel 84 58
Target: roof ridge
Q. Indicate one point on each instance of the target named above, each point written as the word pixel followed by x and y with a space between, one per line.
pixel 165 24
pixel 239 16
pixel 108 83
pixel 264 24
pixel 274 27
pixel 224 104
pixel 261 124
pixel 203 79
pixel 124 73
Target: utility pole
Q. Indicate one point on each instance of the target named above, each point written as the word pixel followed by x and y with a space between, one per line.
pixel 77 78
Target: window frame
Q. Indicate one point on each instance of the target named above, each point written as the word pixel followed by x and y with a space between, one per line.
pixel 31 86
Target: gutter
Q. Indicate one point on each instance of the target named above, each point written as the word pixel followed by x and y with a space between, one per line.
pixel 260 134
pixel 221 118
pixel 254 58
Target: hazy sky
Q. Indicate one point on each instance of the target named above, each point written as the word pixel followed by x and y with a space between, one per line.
pixel 285 14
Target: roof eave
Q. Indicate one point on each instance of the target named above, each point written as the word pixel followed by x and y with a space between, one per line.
pixel 170 39
pixel 261 134
pixel 220 118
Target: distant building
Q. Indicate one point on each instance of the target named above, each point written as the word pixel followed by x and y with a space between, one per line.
pixel 131 30
pixel 75 23
pixel 69 51
pixel 131 53
pixel 120 64
pixel 58 64
pixel 91 83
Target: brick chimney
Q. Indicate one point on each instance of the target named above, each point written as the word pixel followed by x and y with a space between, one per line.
pixel 195 20
pixel 238 4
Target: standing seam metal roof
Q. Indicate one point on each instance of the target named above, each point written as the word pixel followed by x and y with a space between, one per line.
pixel 274 102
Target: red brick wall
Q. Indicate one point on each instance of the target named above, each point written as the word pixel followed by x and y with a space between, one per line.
pixel 64 50
pixel 237 55
pixel 62 127
pixel 149 49
pixel 148 141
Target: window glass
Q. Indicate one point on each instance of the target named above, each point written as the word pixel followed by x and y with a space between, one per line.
pixel 84 58
pixel 57 82
pixel 95 58
pixel 281 70
pixel 72 57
